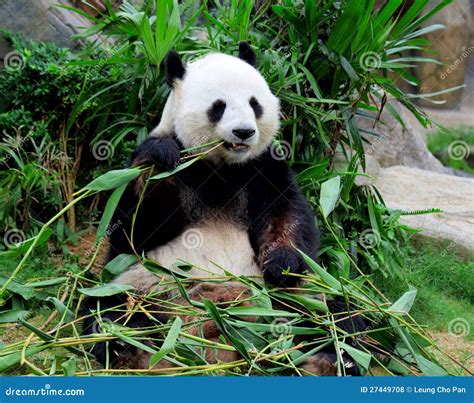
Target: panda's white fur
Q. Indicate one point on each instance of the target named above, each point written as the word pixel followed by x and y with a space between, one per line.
pixel 217 242
pixel 220 76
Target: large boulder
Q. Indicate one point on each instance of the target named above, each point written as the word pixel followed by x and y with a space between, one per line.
pixel 409 189
pixel 40 20
pixel 397 145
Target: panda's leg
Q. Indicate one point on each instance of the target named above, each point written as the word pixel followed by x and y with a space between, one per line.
pixel 160 217
pixel 136 310
pixel 124 309
pixel 325 362
pixel 221 294
pixel 281 221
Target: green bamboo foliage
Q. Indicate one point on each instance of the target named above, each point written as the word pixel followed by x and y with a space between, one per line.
pixel 328 61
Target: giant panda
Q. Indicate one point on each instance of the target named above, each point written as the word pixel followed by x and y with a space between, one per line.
pixel 239 208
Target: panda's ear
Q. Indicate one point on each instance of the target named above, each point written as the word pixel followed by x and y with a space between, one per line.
pixel 174 67
pixel 247 54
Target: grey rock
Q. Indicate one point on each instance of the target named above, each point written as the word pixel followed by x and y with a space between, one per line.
pixel 408 189
pixel 40 20
pixel 397 145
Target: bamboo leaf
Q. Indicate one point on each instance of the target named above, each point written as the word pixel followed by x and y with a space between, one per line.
pixel 113 179
pixel 169 343
pixel 105 290
pixel 329 195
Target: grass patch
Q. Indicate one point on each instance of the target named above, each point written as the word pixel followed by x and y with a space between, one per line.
pixel 452 146
pixel 445 284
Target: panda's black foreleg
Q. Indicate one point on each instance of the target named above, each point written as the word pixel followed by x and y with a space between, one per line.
pixel 159 217
pixel 283 221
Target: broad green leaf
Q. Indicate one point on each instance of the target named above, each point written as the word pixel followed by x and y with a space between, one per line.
pixel 109 212
pixel 12 316
pixel 105 290
pixel 113 179
pixel 361 357
pixel 310 303
pixel 46 283
pixel 403 305
pixel 120 263
pixel 69 366
pixel 62 309
pixel 322 273
pixel 428 367
pixel 169 343
pixel 10 360
pixel 329 195
pixel 180 167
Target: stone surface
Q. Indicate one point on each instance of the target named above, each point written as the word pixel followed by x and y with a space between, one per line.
pixel 407 188
pixel 453 48
pixel 40 20
pixel 397 145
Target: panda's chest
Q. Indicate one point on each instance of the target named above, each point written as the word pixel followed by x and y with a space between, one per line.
pixel 216 236
pixel 215 204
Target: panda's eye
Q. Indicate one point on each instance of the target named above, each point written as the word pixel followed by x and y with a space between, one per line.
pixel 215 112
pixel 257 108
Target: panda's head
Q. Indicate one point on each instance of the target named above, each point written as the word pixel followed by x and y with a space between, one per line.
pixel 220 98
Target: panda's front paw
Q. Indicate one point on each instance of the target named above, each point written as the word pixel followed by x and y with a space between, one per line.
pixel 281 260
pixel 162 152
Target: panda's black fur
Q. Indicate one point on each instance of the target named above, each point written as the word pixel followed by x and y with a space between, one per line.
pixel 273 203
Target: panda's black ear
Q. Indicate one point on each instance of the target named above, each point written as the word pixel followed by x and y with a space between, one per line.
pixel 247 54
pixel 174 67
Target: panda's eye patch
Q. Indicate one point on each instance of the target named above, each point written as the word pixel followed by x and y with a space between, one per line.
pixel 215 112
pixel 257 108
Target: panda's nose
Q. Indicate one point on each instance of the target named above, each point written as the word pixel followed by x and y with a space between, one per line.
pixel 243 134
